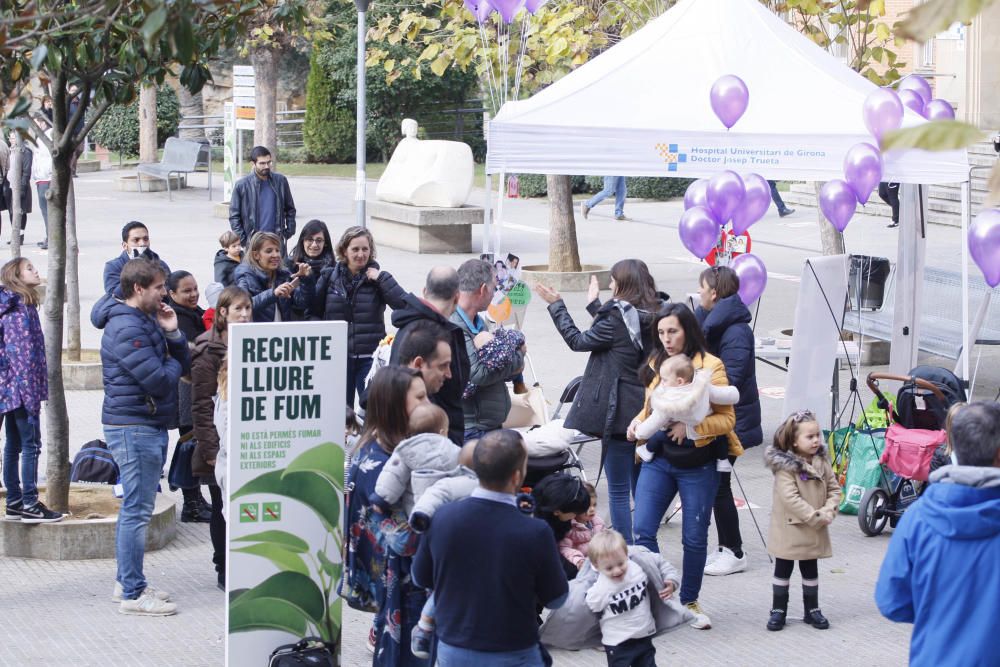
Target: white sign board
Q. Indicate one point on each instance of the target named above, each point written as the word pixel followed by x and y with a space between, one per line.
pixel 816 335
pixel 228 150
pixel 285 483
pixel 243 70
pixel 244 81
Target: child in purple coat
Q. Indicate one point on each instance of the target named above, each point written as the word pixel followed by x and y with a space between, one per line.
pixel 23 387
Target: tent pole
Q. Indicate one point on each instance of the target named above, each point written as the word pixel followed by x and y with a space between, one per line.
pixel 498 223
pixel 488 204
pixel 966 214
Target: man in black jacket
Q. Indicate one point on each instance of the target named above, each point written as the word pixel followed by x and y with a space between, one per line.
pixel 262 202
pixel 437 305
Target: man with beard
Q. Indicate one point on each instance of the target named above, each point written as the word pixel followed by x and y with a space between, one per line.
pixel 262 202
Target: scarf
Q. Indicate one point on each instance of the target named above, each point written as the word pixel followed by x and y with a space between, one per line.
pixel 631 317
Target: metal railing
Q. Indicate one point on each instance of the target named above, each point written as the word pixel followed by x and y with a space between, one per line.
pixel 214 124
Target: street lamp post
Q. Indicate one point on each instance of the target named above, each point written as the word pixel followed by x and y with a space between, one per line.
pixel 359 190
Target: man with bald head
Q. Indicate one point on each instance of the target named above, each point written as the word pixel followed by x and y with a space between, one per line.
pixel 440 298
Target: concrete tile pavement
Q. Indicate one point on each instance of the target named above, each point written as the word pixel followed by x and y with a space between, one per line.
pixel 185 234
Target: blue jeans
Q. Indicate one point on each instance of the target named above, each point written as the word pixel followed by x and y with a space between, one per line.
pixel 623 473
pixel 357 371
pixel 454 656
pixel 140 452
pixel 776 197
pixel 659 482
pixel 24 442
pixel 613 185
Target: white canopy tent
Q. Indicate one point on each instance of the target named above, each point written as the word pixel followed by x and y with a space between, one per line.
pixel 642 108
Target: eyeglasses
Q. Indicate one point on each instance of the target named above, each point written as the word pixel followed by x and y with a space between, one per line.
pixel 317 241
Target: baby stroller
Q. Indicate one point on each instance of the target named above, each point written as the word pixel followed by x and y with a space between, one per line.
pixel 568 459
pixel 914 439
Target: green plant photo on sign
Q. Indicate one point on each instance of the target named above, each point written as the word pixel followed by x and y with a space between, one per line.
pixel 301 597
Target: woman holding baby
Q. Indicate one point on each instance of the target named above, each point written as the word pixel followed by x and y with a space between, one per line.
pixel 685 463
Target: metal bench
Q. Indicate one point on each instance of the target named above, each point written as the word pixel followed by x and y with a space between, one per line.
pixel 940 316
pixel 179 157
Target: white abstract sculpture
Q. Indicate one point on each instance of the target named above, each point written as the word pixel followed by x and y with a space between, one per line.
pixel 427 173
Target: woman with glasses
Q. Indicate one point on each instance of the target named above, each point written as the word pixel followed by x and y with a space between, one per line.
pixel 314 248
pixel 683 466
pixel 725 321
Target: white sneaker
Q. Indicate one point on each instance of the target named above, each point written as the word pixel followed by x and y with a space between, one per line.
pixel 116 596
pixel 644 453
pixel 724 465
pixel 147 604
pixel 701 620
pixel 584 209
pixel 726 563
pixel 712 555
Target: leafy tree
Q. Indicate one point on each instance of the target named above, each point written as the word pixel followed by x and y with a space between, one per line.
pixel 275 27
pixel 118 128
pixel 328 131
pixel 107 48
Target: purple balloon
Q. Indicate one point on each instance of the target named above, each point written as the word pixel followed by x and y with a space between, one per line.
pixel 696 194
pixel 939 110
pixel 534 5
pixel 883 112
pixel 471 5
pixel 752 274
pixel 507 8
pixel 756 200
pixel 699 231
pixel 838 201
pixel 483 11
pixel 984 244
pixel 725 193
pixel 730 98
pixel 916 84
pixel 863 170
pixel 912 101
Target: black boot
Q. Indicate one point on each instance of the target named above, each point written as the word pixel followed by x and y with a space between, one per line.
pixel 813 615
pixel 779 608
pixel 191 512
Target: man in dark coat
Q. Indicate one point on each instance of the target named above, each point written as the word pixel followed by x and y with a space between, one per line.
pixel 144 355
pixel 262 202
pixel 440 298
pixel 135 244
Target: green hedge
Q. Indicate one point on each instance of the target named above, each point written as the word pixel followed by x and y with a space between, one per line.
pixel 118 128
pixel 640 187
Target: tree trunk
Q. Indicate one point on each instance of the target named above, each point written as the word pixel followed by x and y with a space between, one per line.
pixel 147 124
pixel 265 69
pixel 57 419
pixel 832 241
pixel 191 106
pixel 72 279
pixel 564 253
pixel 15 189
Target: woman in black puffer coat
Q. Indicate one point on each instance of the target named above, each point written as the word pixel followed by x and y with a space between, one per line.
pixel 357 291
pixel 725 320
pixel 314 248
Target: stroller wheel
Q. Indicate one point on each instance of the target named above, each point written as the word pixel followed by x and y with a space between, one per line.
pixel 872 515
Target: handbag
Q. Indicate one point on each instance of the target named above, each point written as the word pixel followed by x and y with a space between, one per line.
pixel 180 475
pixel 527 410
pixel 309 651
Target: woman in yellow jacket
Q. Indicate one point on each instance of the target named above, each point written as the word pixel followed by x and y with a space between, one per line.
pixel 684 466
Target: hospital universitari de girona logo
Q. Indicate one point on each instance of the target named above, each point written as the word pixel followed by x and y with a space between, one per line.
pixel 671 155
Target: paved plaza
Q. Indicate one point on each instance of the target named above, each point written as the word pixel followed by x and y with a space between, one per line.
pixel 60 613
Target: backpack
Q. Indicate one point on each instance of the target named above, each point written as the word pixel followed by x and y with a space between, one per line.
pixel 94 465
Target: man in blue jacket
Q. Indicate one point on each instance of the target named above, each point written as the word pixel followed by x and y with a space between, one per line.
pixel 144 355
pixel 135 244
pixel 489 564
pixel 940 572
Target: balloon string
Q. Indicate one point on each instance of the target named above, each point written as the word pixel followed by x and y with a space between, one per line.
pixel 525 26
pixel 484 54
